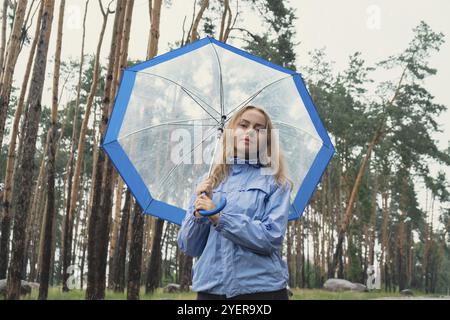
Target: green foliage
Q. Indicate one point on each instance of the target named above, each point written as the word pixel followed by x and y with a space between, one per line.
pixel 407 113
pixel 276 44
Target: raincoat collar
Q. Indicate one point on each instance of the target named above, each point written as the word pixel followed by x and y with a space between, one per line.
pixel 238 164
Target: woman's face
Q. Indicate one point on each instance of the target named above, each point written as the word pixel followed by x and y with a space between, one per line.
pixel 249 132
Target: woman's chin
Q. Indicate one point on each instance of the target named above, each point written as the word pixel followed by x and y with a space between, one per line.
pixel 245 152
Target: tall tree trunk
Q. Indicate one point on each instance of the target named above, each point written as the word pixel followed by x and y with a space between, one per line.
pixel 402 234
pixel 119 258
pixel 89 206
pixel 167 234
pixel 24 174
pixel 148 237
pixel 384 237
pixel 155 256
pixel 194 33
pixel 154 268
pixel 51 165
pixel 155 18
pixel 84 206
pixel 36 210
pixel 68 224
pixel 134 268
pixel 69 167
pixel 109 173
pixel 308 263
pixel 225 29
pixel 298 253
pixel 185 271
pixel 98 225
pixel 86 218
pixel 3 40
pixel 373 220
pixel 289 255
pixel 7 194
pixel 115 231
pixel 349 210
pixel 10 63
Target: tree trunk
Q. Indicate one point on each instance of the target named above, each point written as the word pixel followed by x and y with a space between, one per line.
pixel 3 40
pixel 185 271
pixel 24 174
pixel 108 176
pixel 51 165
pixel 119 257
pixel 225 30
pixel 155 256
pixel 68 224
pixel 7 195
pixel 373 221
pixel 153 40
pixel 289 255
pixel 97 227
pixel 134 268
pixel 194 33
pixel 402 234
pixel 65 256
pixel 10 63
pixel 122 54
pixel 148 236
pixel 349 210
pixel 167 234
pixel 154 267
pixel 115 231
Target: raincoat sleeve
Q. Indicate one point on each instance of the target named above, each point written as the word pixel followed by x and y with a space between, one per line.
pixel 194 232
pixel 263 236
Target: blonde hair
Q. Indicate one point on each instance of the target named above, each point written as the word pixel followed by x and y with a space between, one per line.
pixel 221 170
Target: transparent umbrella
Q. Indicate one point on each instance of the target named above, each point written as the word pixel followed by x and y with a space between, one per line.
pixel 170 112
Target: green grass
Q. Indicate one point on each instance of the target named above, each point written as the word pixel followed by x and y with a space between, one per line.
pixel 299 294
pixel 55 293
pixel 319 294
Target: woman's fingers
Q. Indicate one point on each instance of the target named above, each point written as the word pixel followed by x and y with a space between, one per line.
pixel 205 186
pixel 199 202
pixel 204 204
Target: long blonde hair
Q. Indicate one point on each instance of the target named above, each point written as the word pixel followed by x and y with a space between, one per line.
pixel 221 170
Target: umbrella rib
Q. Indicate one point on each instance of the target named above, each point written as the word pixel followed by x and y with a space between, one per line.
pixel 297 128
pixel 177 122
pixel 184 89
pixel 188 92
pixel 253 96
pixel 222 109
pixel 163 181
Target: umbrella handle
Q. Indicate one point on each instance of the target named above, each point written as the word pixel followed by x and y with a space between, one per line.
pixel 222 203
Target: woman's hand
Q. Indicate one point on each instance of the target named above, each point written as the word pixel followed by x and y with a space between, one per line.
pixel 205 186
pixel 203 203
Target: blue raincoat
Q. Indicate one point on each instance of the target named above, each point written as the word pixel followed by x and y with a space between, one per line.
pixel 242 253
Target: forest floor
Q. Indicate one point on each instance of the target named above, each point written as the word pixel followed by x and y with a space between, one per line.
pixel 298 294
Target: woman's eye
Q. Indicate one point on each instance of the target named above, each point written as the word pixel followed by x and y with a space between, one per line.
pixel 243 125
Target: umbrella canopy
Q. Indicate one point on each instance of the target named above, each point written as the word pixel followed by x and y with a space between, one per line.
pixel 168 110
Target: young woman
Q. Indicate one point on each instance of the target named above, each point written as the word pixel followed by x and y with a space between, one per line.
pixel 239 248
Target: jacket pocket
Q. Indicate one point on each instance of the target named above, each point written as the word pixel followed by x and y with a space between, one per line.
pixel 251 266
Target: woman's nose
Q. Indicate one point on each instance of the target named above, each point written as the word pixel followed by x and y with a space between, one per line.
pixel 251 132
